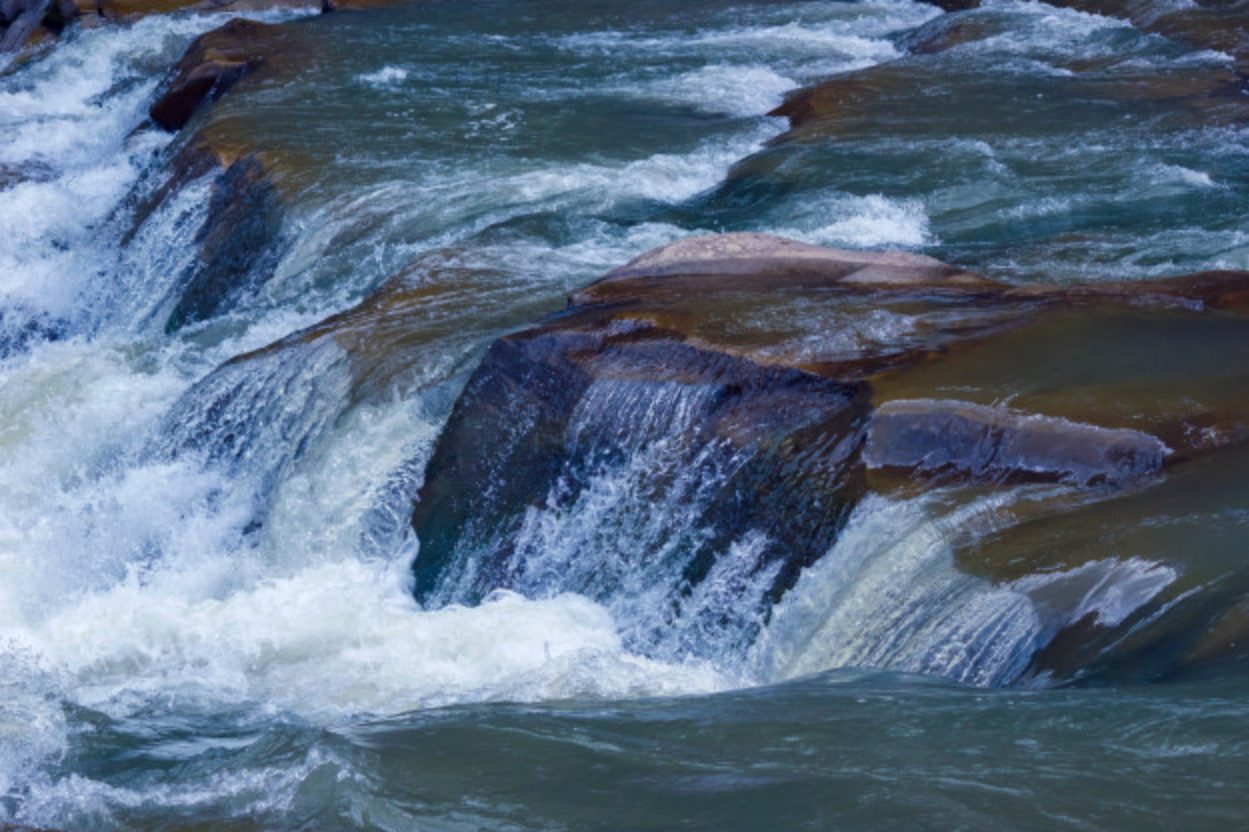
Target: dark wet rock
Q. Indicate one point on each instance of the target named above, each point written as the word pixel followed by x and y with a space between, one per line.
pixel 569 434
pixel 576 422
pixel 950 441
pixel 22 19
pixel 239 243
pixel 212 65
pixel 954 5
pixel 949 32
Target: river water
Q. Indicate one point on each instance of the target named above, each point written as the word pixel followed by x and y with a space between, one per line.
pixel 206 616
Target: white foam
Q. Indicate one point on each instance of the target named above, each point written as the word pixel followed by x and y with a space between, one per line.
pixel 750 90
pixel 338 640
pixel 1163 173
pixel 873 221
pixel 387 76
pixel 68 118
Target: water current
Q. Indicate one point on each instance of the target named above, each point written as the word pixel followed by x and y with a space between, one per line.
pixel 206 608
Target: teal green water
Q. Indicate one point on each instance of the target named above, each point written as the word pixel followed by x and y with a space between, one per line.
pixel 205 610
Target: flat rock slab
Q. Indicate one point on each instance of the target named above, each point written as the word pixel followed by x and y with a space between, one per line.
pixel 779 259
pixel 958 441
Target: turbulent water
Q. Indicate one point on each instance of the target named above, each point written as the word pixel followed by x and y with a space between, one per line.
pixel 206 608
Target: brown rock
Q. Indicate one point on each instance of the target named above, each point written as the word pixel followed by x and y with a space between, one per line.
pixel 954 5
pixel 722 382
pixel 27 21
pixel 212 65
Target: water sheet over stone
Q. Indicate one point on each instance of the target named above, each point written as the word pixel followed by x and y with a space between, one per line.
pixel 693 432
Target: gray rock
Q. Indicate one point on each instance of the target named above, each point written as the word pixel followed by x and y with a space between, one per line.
pixel 960 441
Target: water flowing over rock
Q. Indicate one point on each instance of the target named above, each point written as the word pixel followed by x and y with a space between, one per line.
pixel 566 433
pixel 237 239
pixel 656 395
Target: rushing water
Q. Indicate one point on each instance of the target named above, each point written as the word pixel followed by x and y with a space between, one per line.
pixel 206 616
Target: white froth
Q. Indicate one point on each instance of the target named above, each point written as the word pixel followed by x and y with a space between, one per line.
pixel 385 77
pixel 736 90
pixel 1181 175
pixel 873 221
pixel 68 122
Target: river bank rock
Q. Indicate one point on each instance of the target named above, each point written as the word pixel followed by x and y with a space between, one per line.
pixel 1220 25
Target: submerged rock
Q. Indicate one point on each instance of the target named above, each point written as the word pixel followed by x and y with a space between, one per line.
pixel 1220 25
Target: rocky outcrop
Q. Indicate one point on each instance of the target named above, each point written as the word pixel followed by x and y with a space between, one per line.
pixel 211 66
pixel 1221 25
pixel 563 428
pixel 958 99
pixel 767 261
pixel 749 390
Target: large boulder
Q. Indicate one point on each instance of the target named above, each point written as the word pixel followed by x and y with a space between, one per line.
pixel 687 436
pixel 693 431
